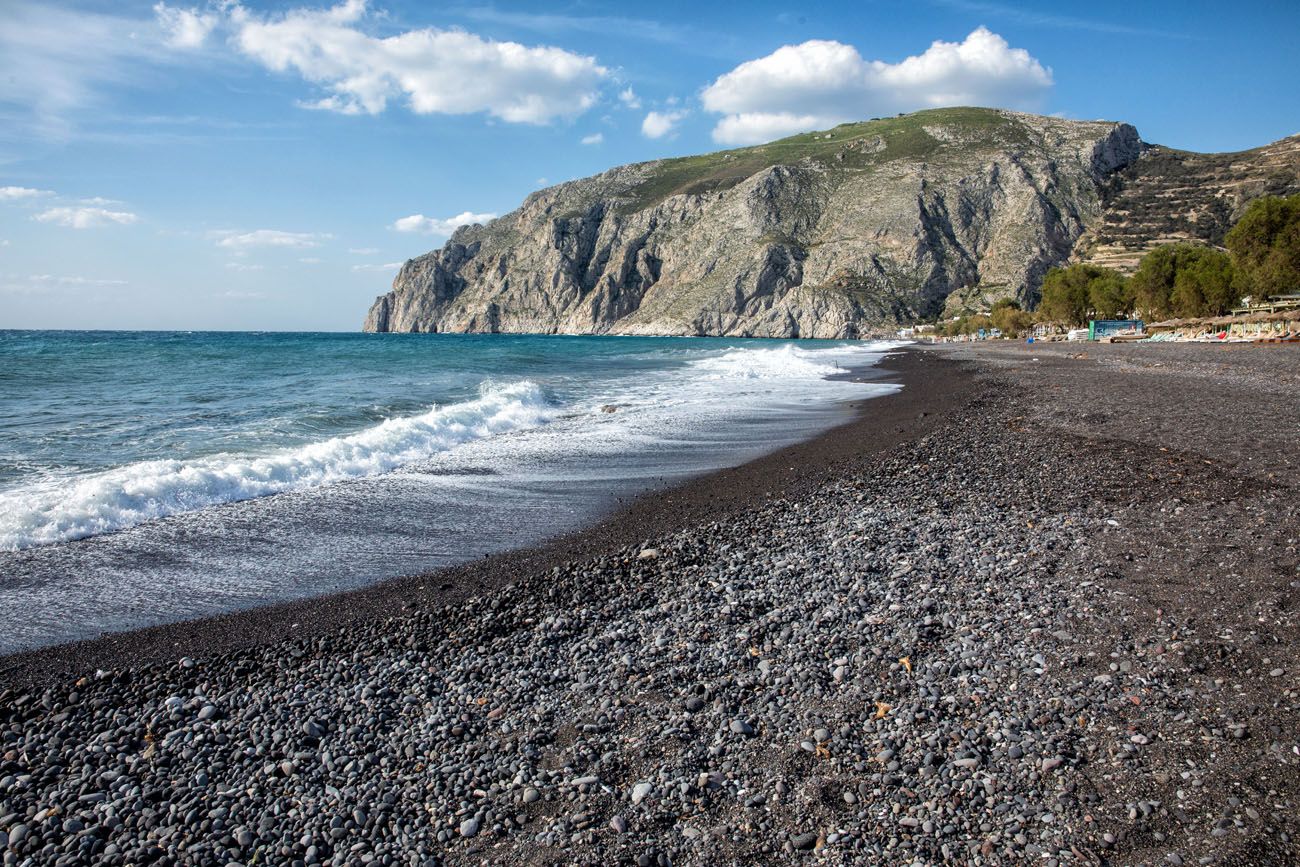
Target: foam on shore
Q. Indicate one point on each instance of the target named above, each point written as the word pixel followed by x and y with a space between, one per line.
pixel 68 509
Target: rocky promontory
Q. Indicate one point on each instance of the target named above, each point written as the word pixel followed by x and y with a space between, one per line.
pixel 824 234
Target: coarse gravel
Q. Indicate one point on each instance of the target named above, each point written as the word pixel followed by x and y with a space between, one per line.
pixel 990 643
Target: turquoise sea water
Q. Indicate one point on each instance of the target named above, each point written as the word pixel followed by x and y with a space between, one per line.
pixel 154 476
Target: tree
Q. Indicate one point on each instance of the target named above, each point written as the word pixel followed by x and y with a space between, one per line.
pixel 1185 280
pixel 1065 295
pixel 1153 283
pixel 1008 318
pixel 1205 285
pixel 1110 296
pixel 1072 295
pixel 1265 246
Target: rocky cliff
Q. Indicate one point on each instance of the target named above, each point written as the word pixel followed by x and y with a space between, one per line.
pixel 819 235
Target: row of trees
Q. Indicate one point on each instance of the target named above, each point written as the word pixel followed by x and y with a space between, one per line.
pixel 1186 280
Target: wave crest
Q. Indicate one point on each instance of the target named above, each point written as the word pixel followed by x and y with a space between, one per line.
pixel 64 510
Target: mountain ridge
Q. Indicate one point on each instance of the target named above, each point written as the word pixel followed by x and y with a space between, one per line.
pixel 825 234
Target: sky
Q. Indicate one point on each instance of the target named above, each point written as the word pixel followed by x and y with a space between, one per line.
pixel 269 166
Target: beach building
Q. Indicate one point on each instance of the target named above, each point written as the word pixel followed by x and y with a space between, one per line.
pixel 1104 329
pixel 1273 305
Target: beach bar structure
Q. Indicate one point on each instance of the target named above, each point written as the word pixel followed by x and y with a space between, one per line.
pixel 1105 328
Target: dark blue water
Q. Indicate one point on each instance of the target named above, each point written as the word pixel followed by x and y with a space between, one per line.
pixel 148 477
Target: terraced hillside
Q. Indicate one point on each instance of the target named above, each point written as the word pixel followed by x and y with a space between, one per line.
pixel 1169 196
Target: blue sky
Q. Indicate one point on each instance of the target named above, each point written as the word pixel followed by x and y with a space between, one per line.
pixel 266 165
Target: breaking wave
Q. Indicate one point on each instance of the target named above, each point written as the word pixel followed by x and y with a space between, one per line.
pixel 66 509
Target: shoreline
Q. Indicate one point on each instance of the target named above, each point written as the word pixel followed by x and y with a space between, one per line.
pixel 1050 612
pixel 932 388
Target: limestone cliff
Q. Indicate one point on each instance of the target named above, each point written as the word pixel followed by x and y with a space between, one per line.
pixel 819 235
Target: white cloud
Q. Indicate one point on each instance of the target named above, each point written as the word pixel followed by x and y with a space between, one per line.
pixel 594 139
pixel 238 295
pixel 75 281
pixel 822 83
pixel 629 98
pixel 85 218
pixel 387 266
pixel 435 71
pixel 434 226
pixel 242 267
pixel 9 194
pixel 55 59
pixel 658 124
pixel 754 127
pixel 363 251
pixel 268 238
pixel 33 284
pixel 185 28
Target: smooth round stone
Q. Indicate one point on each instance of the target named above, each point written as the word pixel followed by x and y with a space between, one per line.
pixel 804 841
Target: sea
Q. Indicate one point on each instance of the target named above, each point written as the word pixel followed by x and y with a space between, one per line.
pixel 151 477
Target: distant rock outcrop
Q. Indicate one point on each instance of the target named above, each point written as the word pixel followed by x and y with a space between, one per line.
pixel 827 234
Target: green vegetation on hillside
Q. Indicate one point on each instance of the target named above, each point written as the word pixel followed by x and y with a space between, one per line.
pixel 852 145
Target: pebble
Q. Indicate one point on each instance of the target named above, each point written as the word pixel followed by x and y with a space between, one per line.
pixel 804 841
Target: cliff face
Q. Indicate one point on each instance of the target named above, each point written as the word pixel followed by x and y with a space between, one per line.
pixel 819 235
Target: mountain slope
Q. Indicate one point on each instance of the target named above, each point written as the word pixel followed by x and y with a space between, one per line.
pixel 819 235
pixel 1170 196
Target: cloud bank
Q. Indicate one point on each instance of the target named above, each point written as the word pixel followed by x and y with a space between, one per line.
pixel 658 124
pixel 431 70
pixel 268 238
pixel 185 28
pixel 10 194
pixel 419 223
pixel 821 83
pixel 85 218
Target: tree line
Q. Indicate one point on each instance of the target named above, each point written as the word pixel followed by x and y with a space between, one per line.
pixel 1183 280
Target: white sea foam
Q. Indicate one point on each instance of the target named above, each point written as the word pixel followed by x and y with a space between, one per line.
pixel 785 362
pixel 61 510
pixel 673 406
